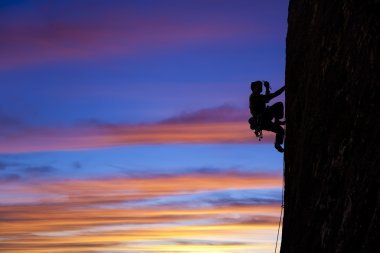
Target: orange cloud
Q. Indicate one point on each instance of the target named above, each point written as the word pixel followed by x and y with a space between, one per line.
pixel 99 215
pixel 98 136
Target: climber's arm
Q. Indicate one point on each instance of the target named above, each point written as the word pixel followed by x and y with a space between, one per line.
pixel 267 87
pixel 275 94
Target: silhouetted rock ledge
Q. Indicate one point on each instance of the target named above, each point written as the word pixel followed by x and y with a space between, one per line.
pixel 332 179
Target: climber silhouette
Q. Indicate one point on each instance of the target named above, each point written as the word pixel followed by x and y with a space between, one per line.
pixel 263 115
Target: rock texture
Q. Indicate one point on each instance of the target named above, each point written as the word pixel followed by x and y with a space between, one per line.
pixel 332 158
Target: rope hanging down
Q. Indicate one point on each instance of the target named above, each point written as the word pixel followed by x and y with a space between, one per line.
pixel 282 205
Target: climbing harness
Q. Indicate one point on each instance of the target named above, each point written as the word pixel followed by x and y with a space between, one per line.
pixel 255 124
pixel 259 134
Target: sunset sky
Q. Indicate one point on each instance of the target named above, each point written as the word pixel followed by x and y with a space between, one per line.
pixel 123 126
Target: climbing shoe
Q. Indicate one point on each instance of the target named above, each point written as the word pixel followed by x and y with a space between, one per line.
pixel 279 148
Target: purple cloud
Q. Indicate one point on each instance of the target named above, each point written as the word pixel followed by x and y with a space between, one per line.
pixel 38 38
pixel 38 170
pixel 3 166
pixel 224 124
pixel 9 124
pixel 224 113
pixel 9 177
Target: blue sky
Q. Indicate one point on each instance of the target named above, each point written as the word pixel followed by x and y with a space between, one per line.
pixel 138 108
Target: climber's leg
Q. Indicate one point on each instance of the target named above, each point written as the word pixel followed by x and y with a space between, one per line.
pixel 276 111
pixel 276 128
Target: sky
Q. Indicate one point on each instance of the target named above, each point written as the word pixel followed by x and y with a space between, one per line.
pixel 123 126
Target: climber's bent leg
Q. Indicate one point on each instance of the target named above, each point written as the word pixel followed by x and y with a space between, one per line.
pixel 276 111
pixel 280 133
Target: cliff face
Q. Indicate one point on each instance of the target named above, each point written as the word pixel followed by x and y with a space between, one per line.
pixel 332 175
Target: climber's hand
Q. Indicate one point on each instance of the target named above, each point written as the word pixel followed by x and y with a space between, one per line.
pixel 266 84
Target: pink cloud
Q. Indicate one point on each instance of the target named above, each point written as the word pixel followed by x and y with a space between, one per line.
pixel 216 125
pixel 224 113
pixel 76 138
pixel 120 34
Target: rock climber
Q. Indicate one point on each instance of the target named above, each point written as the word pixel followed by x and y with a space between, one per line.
pixel 263 115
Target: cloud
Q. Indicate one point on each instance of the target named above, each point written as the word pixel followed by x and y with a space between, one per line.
pixel 211 125
pixel 38 170
pixel 9 125
pixel 8 121
pixel 77 165
pixel 114 31
pixel 11 172
pixel 207 242
pixel 96 190
pixel 3 166
pixel 243 200
pixel 9 178
pixel 224 113
pixel 217 198
pixel 88 214
pixel 63 247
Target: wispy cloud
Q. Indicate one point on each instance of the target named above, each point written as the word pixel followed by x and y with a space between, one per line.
pixel 116 31
pixel 7 121
pixel 9 124
pixel 213 125
pixel 9 177
pixel 3 165
pixel 11 172
pixel 100 214
pixel 38 170
pixel 224 113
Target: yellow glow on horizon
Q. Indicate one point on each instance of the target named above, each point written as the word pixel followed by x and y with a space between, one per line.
pixel 95 216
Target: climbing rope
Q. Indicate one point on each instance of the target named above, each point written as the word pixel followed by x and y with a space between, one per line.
pixel 282 205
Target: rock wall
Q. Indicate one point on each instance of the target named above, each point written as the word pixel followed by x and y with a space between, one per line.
pixel 332 158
